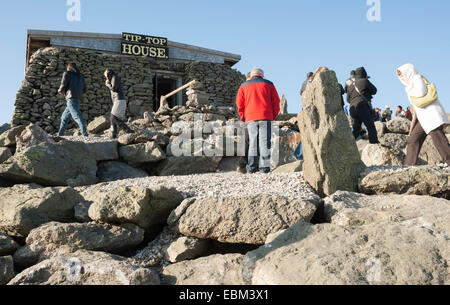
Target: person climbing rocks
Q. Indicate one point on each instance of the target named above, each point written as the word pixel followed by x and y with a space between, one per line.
pixel 119 109
pixel 359 95
pixel 429 116
pixel 73 86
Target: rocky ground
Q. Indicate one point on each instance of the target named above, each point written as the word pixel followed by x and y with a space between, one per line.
pixel 77 211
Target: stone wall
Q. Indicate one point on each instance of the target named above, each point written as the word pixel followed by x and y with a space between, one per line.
pixel 220 81
pixel 37 100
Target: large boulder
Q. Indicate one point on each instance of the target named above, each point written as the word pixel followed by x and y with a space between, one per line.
pixel 353 209
pixel 6 269
pixel 331 158
pixel 232 164
pixel 60 164
pixel 211 270
pixel 98 125
pixel 8 137
pixel 186 248
pixel 114 170
pixel 327 254
pixel 394 141
pixel 5 154
pixel 31 136
pixel 179 166
pixel 55 238
pixel 139 154
pixel 25 207
pixel 86 268
pixel 141 206
pixel 378 155
pixel 398 125
pixel 245 220
pixel 423 180
pixel 102 149
pixel 7 245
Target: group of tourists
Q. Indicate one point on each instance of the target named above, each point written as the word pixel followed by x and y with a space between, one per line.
pixel 73 86
pixel 258 105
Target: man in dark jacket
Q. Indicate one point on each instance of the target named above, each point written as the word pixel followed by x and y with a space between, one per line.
pixel 309 79
pixel 73 86
pixel 118 112
pixel 359 95
pixel 258 105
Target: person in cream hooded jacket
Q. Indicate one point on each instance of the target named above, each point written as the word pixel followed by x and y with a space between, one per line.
pixel 426 121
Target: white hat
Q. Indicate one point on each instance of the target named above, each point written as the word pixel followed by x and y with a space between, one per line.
pixel 387 107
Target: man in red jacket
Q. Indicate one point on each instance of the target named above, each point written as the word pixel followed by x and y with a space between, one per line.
pixel 258 105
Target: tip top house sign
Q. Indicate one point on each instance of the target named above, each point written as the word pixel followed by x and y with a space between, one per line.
pixel 144 46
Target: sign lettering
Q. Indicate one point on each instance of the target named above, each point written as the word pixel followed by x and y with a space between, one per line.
pixel 144 46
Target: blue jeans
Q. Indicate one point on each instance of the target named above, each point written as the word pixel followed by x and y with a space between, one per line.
pixel 72 111
pixel 260 136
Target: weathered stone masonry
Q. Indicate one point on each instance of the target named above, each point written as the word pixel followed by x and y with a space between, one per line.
pixel 37 100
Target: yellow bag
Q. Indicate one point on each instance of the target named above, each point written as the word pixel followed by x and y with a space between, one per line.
pixel 429 98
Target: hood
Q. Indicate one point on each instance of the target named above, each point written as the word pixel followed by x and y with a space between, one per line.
pixel 408 71
pixel 361 72
pixel 309 75
pixel 74 70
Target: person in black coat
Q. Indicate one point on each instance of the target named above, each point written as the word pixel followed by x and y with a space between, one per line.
pixel 309 79
pixel 359 94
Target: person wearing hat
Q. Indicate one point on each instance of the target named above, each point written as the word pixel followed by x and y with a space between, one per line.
pixel 359 95
pixel 309 79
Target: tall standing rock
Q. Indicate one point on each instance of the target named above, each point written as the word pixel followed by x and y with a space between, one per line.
pixel 283 105
pixel 332 161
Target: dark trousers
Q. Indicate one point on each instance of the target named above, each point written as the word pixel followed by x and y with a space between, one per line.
pixel 416 139
pixel 116 123
pixel 362 113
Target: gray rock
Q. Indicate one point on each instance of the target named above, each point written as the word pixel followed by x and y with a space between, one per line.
pixel 53 239
pixel 179 166
pixel 394 141
pixel 142 153
pixel 283 105
pixel 398 125
pixel 324 128
pixel 232 164
pixel 86 268
pixel 211 270
pixel 186 248
pixel 381 129
pixel 31 136
pixel 293 167
pixel 361 144
pixel 81 211
pixel 4 128
pixel 102 149
pixel 353 209
pixel 240 220
pixel 5 154
pixel 7 245
pixel 8 137
pixel 378 155
pixel 388 254
pixel 98 125
pixel 423 180
pixel 113 170
pixel 65 163
pixel 25 207
pixel 6 269
pixel 141 206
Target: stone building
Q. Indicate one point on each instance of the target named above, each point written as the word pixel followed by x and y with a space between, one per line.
pixel 145 78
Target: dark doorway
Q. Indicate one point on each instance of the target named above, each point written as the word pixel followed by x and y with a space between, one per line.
pixel 163 85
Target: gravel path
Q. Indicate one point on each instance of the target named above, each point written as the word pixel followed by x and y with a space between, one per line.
pixel 219 185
